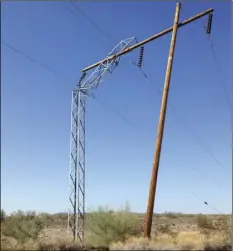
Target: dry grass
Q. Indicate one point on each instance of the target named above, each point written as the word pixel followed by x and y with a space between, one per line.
pixel 182 241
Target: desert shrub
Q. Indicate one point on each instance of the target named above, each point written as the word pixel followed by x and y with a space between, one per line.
pixel 223 228
pixel 164 229
pixel 60 219
pixel 205 225
pixel 171 215
pixel 48 219
pixel 3 215
pixel 22 226
pixel 106 226
pixel 223 224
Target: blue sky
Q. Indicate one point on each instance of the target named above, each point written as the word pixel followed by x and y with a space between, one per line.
pixel 36 107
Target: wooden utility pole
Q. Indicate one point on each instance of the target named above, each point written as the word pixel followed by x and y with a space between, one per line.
pixel 153 182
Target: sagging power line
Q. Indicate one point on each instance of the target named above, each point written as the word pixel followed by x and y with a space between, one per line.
pixel 207 27
pixel 223 83
pixel 103 34
pixel 207 204
pixel 189 129
pixel 32 59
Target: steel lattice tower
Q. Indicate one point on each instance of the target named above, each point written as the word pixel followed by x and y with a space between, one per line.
pixel 76 211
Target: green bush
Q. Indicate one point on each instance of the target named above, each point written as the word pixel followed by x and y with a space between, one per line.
pixel 105 226
pixel 3 215
pixel 22 226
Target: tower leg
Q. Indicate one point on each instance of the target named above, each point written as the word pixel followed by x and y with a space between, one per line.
pixel 77 167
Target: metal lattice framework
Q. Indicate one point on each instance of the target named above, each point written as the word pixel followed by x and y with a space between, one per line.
pixel 76 211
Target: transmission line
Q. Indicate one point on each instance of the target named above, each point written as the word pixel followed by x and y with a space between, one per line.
pixel 159 91
pixel 59 75
pixel 113 111
pixel 73 13
pixel 207 204
pixel 223 83
pixel 34 60
pixel 205 147
pixel 118 114
pixel 129 123
pixel 106 37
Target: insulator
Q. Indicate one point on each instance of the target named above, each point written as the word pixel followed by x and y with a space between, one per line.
pixel 140 56
pixel 82 77
pixel 209 24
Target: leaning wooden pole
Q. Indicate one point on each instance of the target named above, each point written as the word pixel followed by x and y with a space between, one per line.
pixel 153 182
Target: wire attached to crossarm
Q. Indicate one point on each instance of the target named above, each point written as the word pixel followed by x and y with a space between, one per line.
pixel 207 29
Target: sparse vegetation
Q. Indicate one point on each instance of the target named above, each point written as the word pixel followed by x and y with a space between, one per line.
pixel 182 241
pixel 106 226
pixel 117 230
pixel 205 225
pixel 3 215
pixel 171 215
pixel 22 226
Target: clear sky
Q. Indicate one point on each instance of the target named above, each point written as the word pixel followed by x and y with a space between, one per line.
pixel 36 107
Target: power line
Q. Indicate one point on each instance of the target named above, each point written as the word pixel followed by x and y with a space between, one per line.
pixel 205 147
pixel 129 123
pixel 73 13
pixel 195 135
pixel 107 38
pixel 34 60
pixel 76 16
pixel 205 176
pixel 207 204
pixel 159 92
pixel 133 126
pixel 59 75
pixel 223 85
pixel 114 111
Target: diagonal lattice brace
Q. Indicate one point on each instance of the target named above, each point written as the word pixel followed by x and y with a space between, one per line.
pixel 93 80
